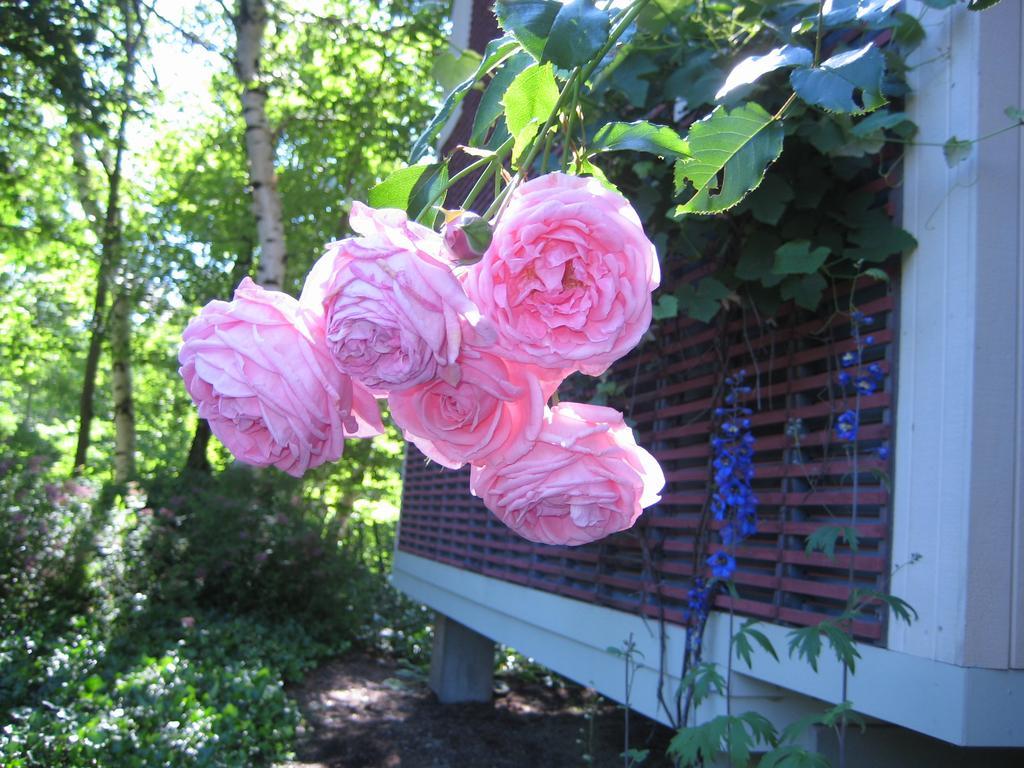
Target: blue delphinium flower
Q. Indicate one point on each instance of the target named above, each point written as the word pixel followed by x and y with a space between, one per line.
pixel 722 565
pixel 697 600
pixel 883 452
pixel 846 426
pixel 732 500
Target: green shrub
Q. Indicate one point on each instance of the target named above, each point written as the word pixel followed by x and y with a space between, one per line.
pixel 44 530
pixel 196 699
pixel 157 624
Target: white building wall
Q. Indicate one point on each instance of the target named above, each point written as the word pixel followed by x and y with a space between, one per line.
pixel 957 494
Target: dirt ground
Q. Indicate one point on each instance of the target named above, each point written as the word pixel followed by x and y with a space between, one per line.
pixel 369 713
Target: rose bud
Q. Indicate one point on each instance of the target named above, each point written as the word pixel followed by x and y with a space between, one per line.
pixel 466 237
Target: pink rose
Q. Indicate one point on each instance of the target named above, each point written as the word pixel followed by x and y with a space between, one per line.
pixel 585 478
pixel 392 304
pixel 259 371
pixel 495 410
pixel 568 277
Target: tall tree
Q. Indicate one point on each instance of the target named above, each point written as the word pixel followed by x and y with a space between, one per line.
pixel 250 22
pixel 111 236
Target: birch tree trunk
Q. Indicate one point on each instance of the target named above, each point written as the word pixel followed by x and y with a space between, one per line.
pixel 121 380
pixel 250 22
pixel 109 242
pixel 111 234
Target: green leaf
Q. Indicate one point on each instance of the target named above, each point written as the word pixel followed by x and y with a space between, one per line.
pixel 1016 114
pixel 768 202
pixel 94 683
pixel 805 290
pixel 705 680
pixel 495 52
pixel 878 238
pixel 753 68
pixel 792 756
pixel 730 152
pixel 760 727
pixel 702 301
pixel 640 136
pixel 842 644
pixel 411 189
pixel 956 150
pixel 587 168
pixel 628 78
pixel 699 744
pixel 980 5
pixel 847 82
pixel 824 539
pixel 529 21
pixel 741 642
pixel 579 31
pixel 883 121
pixel 798 258
pixel 878 274
pixel 869 12
pixel 695 82
pixel 451 68
pixel 757 257
pixel 529 102
pixel 903 610
pixel 764 642
pixel 806 643
pixel 666 308
pixel 634 756
pixel 491 108
pixel 738 742
pixel 743 649
pixel 907 31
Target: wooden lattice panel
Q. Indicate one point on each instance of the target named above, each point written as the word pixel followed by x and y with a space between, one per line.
pixel 803 478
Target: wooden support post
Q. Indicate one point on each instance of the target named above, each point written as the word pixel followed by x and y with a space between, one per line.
pixel 461 664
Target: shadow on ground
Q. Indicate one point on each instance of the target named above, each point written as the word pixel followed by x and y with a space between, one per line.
pixel 361 713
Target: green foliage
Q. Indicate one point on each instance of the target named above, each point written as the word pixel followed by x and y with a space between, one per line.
pixel 703 299
pixel 734 735
pixel 180 699
pixel 639 136
pixel 491 107
pixel 797 257
pixel 704 679
pixel 741 642
pixel 157 626
pixel 848 82
pixel 411 189
pixel 824 539
pixel 956 151
pixel 731 150
pixel 494 54
pixel 44 533
pixel 529 100
pixel 529 22
pixel 578 32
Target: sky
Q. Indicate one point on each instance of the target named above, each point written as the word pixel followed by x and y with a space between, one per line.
pixel 183 70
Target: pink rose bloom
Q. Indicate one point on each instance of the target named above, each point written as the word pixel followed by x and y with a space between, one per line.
pixel 392 304
pixel 495 410
pixel 568 276
pixel 259 371
pixel 583 479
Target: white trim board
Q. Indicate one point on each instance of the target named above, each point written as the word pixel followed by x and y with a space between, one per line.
pixel 964 706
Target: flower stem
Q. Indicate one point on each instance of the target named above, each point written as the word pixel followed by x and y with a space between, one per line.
pixel 578 75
